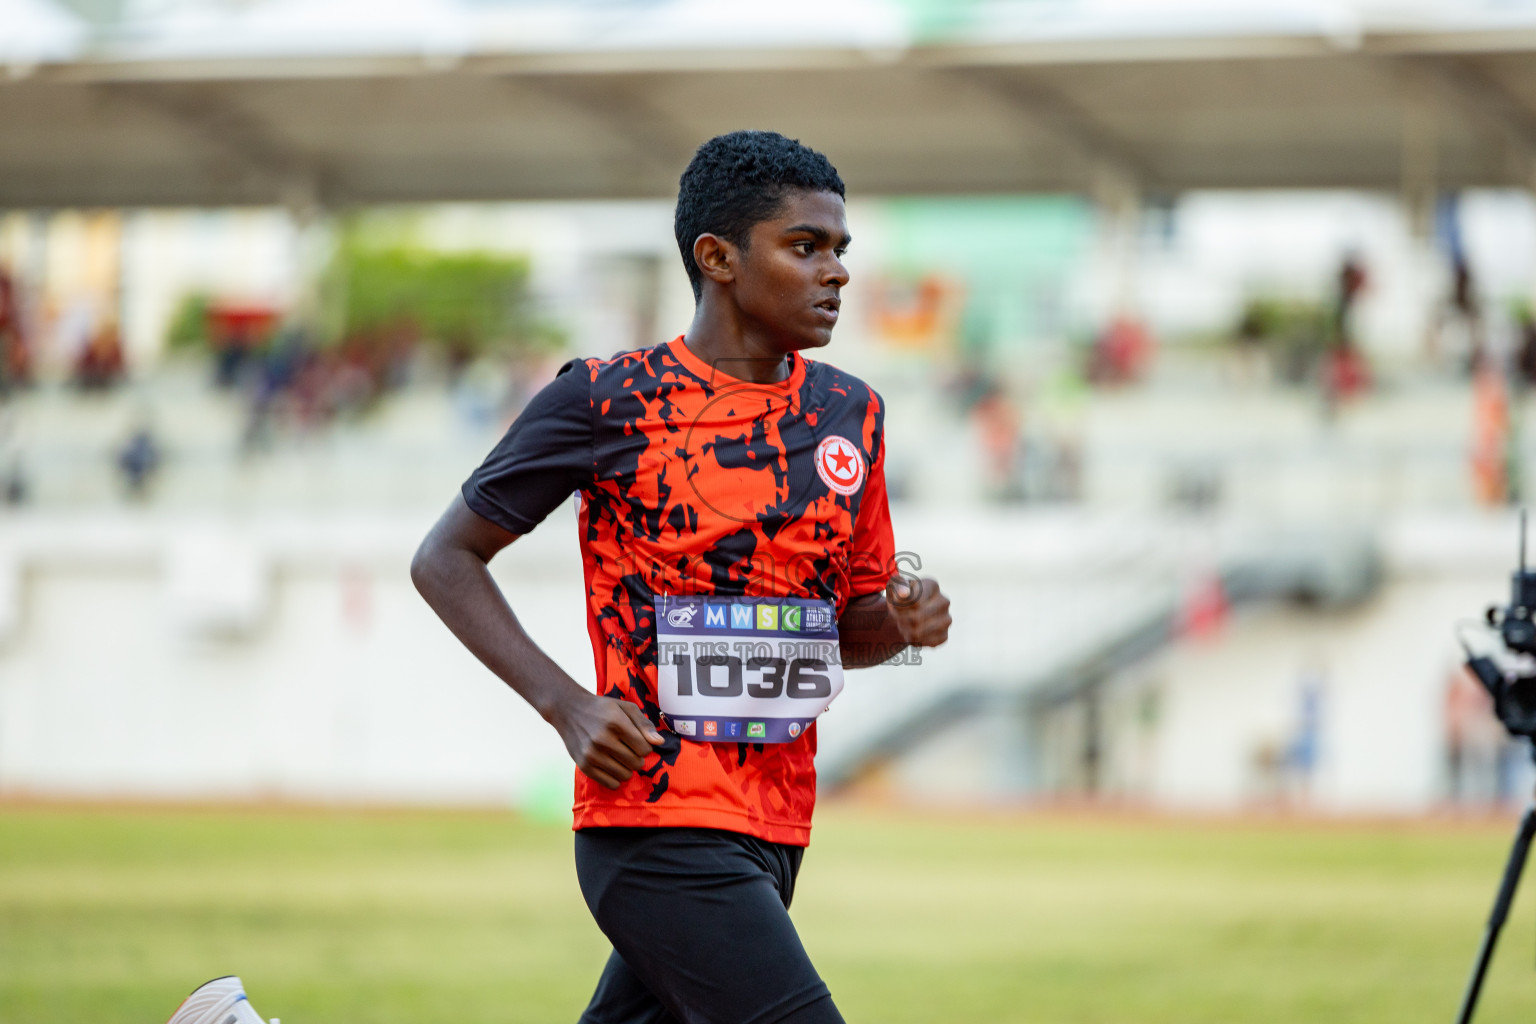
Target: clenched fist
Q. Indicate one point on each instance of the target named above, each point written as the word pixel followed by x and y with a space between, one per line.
pixel 608 738
pixel 920 609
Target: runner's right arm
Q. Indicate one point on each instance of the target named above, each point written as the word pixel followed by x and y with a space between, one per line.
pixel 608 739
pixel 544 456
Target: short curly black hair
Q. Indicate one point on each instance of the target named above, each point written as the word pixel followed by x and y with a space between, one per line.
pixel 739 179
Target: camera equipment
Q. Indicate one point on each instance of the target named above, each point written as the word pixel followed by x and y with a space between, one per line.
pixel 1513 689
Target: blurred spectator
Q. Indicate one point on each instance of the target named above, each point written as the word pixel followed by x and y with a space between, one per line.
pixel 99 366
pixel 1345 375
pixel 1353 281
pixel 1458 335
pixel 1285 765
pixel 139 460
pixel 1464 303
pixel 997 426
pixel 236 334
pixel 1195 487
pixel 13 478
pixel 15 356
pixel 1121 353
pixel 1473 741
pixel 1304 748
pixel 1018 465
pixel 294 383
pixel 1203 607
pixel 1286 338
pixel 279 367
pixel 1252 337
pixel 1511 763
pixel 1491 439
pixel 1525 345
pixel 13 484
pixel 1051 469
pixel 1344 372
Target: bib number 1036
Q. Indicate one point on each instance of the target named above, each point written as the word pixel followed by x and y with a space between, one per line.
pixel 745 669
pixel 721 675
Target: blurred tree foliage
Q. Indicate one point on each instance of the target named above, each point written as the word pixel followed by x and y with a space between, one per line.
pixel 468 303
pixel 383 289
pixel 189 324
pixel 1298 333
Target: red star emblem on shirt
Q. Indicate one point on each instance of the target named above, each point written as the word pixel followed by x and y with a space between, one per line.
pixel 840 465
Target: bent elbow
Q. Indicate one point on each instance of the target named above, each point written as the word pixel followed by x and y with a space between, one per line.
pixel 421 568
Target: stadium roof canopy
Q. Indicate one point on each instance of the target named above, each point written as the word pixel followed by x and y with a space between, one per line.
pixel 194 102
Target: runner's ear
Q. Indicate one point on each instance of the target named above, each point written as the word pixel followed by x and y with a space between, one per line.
pixel 715 257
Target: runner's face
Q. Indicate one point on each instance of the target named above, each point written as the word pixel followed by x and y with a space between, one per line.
pixel 792 272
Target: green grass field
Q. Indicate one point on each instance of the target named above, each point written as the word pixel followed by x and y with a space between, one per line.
pixel 373 918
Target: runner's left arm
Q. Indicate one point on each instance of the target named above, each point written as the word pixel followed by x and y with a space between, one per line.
pixel 877 625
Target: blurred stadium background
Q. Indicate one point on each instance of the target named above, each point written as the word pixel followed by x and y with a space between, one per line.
pixel 1206 329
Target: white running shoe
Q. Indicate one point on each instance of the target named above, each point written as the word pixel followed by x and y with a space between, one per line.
pixel 220 1001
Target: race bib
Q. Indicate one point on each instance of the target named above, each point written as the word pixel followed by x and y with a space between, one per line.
pixel 745 670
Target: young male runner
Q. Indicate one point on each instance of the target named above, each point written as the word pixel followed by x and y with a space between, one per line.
pixel 738 556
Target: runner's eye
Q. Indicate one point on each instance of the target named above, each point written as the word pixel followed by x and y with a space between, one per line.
pixel 805 248
pixel 840 251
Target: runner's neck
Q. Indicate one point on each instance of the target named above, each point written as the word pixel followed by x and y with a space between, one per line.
pixel 737 362
pixel 722 342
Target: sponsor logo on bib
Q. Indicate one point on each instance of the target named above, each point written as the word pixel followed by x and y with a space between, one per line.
pixel 682 618
pixel 794 729
pixel 840 464
pixel 684 727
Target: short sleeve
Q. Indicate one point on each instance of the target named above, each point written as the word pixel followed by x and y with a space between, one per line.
pixel 545 455
pixel 874 545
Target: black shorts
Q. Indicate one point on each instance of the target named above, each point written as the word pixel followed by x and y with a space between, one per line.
pixel 699 921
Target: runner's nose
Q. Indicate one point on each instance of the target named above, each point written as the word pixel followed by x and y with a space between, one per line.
pixel 835 273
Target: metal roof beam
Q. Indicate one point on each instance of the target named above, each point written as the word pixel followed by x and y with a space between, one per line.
pixel 1048 108
pixel 648 133
pixel 1483 97
pixel 229 130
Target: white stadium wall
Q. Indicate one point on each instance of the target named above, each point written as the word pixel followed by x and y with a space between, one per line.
pixel 150 659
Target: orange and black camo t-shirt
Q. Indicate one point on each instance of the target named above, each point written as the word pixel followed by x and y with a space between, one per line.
pixel 695 482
